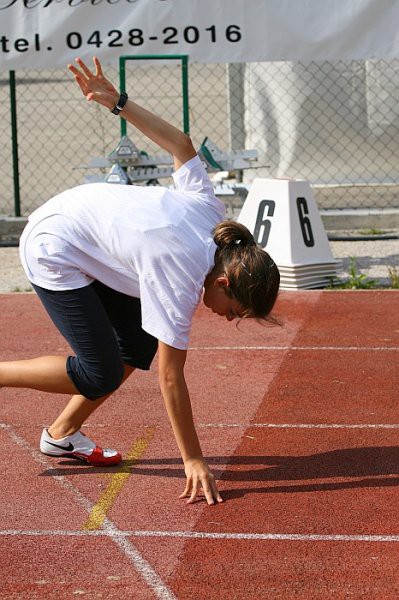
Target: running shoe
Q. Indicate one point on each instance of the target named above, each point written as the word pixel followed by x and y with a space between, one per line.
pixel 79 446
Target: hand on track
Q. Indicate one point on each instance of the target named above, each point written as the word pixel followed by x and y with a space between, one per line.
pixel 199 476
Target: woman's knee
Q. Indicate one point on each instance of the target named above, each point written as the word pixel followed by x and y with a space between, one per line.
pixel 110 381
pixel 95 383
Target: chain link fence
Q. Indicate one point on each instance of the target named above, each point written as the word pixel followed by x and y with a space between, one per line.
pixel 335 124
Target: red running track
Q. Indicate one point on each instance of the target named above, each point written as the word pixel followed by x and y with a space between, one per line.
pixel 300 425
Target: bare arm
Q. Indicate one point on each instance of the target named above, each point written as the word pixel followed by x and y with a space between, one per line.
pixel 96 87
pixel 178 406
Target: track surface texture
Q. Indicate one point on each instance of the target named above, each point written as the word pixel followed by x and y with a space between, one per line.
pixel 299 423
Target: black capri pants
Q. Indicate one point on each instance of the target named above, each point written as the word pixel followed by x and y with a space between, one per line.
pixel 103 328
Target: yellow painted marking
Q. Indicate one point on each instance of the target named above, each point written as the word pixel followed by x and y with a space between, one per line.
pixel 118 480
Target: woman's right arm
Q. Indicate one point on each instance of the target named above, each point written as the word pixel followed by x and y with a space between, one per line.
pixel 95 86
pixel 178 406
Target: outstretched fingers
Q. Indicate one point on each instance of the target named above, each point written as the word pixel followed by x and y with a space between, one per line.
pixel 98 72
pixel 97 65
pixel 79 78
pixel 192 491
pixel 210 490
pixel 208 485
pixel 93 84
pixel 84 68
pixel 187 489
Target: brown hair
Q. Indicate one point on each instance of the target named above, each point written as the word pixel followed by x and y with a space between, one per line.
pixel 253 276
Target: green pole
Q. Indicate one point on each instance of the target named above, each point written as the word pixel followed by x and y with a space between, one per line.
pixel 122 87
pixel 186 115
pixel 184 65
pixel 14 141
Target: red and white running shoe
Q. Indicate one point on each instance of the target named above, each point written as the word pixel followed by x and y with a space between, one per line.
pixel 79 446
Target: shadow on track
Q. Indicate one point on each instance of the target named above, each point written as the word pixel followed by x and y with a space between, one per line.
pixel 376 466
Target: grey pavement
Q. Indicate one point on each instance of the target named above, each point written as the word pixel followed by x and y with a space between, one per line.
pixel 374 258
pixel 12 275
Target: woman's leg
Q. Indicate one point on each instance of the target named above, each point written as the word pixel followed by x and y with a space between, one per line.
pixel 77 411
pixel 104 329
pixel 49 373
pixel 136 346
pixel 97 368
pixel 46 373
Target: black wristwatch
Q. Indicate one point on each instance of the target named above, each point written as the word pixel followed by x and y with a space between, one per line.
pixel 120 104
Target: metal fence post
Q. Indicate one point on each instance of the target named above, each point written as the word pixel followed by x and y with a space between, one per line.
pixel 236 104
pixel 122 88
pixel 184 72
pixel 186 113
pixel 14 139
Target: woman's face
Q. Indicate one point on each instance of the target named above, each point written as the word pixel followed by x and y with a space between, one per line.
pixel 218 301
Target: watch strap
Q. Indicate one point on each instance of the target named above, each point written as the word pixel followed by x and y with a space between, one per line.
pixel 120 104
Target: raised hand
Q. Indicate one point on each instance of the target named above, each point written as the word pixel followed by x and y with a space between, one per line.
pixel 94 85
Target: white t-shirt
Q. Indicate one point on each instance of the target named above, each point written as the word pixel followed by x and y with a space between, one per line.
pixel 148 242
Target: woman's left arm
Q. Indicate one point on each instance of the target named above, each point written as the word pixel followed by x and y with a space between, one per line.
pixel 96 87
pixel 178 406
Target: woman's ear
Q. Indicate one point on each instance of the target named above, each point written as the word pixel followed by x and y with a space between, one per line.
pixel 222 281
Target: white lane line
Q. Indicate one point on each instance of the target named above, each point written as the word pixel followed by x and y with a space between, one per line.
pixel 302 425
pixel 310 348
pixel 109 528
pixel 204 535
pixel 266 426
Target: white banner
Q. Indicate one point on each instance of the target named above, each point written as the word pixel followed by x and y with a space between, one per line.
pixel 50 33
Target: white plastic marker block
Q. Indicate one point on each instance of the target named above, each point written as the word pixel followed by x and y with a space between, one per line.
pixel 283 217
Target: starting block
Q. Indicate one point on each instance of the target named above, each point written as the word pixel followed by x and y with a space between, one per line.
pixel 128 164
pixel 117 175
pixel 217 160
pixel 125 153
pixel 283 218
pixel 139 166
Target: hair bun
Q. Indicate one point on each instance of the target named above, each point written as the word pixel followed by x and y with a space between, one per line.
pixel 230 234
pixel 244 243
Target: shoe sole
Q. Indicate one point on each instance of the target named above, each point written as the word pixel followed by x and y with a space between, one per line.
pixel 107 462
